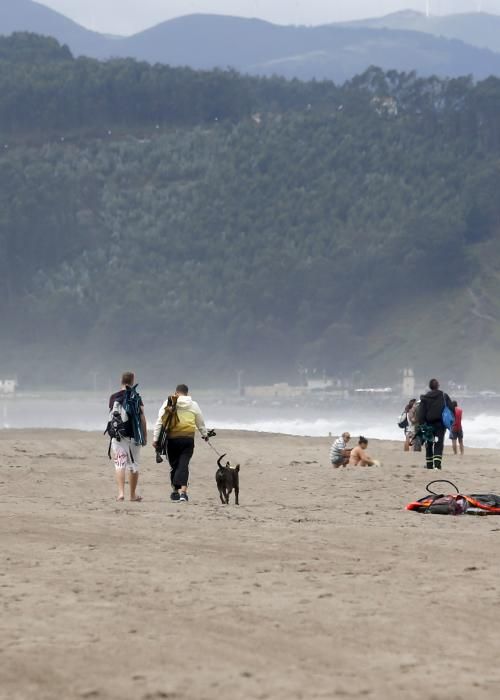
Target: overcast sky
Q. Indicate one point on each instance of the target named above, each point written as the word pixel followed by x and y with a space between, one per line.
pixel 129 16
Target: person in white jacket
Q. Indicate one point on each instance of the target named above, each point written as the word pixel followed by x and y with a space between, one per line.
pixel 180 438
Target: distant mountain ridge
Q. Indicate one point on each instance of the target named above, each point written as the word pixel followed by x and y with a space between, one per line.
pixel 326 52
pixel 475 28
pixel 336 52
pixel 29 16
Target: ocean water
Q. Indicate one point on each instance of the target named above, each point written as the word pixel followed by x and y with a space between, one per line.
pixel 481 427
pixel 482 430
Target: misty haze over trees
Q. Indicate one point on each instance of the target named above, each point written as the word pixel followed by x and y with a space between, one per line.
pixel 224 222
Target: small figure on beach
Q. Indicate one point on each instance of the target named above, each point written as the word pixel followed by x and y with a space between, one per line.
pixel 430 416
pixel 339 452
pixel 185 418
pixel 416 440
pixel 457 432
pixel 128 430
pixel 408 422
pixel 360 457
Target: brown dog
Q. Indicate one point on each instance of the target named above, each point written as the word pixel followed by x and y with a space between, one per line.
pixel 227 479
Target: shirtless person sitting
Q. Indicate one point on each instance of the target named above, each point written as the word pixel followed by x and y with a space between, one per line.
pixel 359 456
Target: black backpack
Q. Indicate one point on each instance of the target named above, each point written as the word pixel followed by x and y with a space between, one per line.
pixel 132 406
pixel 116 429
pixel 403 420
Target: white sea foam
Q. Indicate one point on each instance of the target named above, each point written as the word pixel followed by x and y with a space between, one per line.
pixel 481 430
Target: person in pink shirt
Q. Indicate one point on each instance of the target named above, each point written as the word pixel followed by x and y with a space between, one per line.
pixel 457 432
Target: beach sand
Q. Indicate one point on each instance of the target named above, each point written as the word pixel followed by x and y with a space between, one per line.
pixel 320 585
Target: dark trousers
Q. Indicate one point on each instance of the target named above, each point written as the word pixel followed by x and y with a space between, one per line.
pixel 179 453
pixel 434 450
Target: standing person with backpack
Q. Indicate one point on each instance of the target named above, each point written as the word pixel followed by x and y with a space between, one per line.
pixel 435 413
pixel 128 432
pixel 184 418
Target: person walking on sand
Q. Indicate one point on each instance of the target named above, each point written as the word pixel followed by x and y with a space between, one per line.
pixel 430 413
pixel 457 432
pixel 126 446
pixel 407 421
pixel 180 438
pixel 360 457
pixel 415 440
pixel 339 452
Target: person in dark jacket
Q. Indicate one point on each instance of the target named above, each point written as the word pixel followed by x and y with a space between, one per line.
pixel 429 413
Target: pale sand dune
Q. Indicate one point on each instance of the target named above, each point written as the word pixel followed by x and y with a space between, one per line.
pixel 319 585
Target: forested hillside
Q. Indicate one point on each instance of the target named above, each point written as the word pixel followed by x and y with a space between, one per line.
pixel 221 223
pixel 44 89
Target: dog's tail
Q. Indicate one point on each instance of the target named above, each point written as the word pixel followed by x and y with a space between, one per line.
pixel 220 460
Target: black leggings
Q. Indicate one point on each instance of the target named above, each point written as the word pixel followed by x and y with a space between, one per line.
pixel 434 450
pixel 179 453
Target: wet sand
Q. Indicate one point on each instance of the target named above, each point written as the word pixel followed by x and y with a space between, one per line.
pixel 320 585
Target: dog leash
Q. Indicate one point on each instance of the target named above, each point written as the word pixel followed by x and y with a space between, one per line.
pixel 212 433
pixel 219 454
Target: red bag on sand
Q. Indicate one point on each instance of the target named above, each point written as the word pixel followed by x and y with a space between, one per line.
pixel 456 504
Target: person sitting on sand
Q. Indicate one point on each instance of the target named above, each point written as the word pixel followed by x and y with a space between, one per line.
pixel 339 452
pixel 360 457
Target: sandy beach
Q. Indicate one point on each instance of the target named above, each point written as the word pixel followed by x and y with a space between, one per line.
pixel 319 585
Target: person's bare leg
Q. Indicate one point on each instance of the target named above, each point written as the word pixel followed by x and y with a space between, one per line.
pixel 183 489
pixel 454 445
pixel 133 480
pixel 407 444
pixel 461 443
pixel 120 481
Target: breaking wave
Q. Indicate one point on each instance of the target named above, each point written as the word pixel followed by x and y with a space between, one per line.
pixel 480 430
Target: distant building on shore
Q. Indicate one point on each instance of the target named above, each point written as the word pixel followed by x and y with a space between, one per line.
pixel 323 386
pixel 8 387
pixel 373 391
pixel 273 391
pixel 408 384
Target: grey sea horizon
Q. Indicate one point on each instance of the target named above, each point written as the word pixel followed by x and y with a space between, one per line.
pixel 314 419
